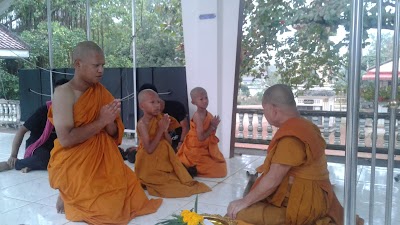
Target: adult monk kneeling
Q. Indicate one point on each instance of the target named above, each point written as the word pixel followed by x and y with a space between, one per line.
pixel 85 165
pixel 294 187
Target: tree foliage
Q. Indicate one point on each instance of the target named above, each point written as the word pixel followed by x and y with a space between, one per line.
pixel 293 35
pixel 300 33
pixel 111 28
pixel 9 88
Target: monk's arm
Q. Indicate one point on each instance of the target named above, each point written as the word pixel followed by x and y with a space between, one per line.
pixel 201 133
pixel 268 183
pixel 185 128
pixel 67 134
pixel 112 129
pixel 167 137
pixel 149 145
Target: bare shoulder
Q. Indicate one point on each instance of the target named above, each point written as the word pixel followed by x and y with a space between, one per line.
pixel 198 118
pixel 195 116
pixel 63 93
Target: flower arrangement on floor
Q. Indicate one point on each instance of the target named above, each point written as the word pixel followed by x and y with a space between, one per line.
pixel 190 217
pixel 187 217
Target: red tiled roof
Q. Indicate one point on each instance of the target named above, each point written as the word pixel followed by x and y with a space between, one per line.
pixel 9 41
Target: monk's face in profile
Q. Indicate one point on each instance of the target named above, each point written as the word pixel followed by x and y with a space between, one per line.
pixel 151 104
pixel 269 113
pixel 200 99
pixel 91 66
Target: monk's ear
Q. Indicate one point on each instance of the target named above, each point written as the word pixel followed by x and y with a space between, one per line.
pixel 141 106
pixel 77 63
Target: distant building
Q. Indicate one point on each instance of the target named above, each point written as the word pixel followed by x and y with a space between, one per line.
pixel 11 46
pixel 320 99
pixel 255 85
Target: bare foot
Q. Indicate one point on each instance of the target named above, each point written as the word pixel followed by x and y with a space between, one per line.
pixel 60 205
pixel 4 166
pixel 25 170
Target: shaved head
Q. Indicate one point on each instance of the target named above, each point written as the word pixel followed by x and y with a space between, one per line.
pixel 145 93
pixel 279 95
pixel 84 48
pixel 195 91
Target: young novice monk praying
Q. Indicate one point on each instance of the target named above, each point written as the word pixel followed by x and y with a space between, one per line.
pixel 156 164
pixel 200 147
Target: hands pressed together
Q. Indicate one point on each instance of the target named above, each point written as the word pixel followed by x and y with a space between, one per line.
pixel 163 124
pixel 215 122
pixel 110 112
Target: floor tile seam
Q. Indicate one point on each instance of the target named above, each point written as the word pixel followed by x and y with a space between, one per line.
pixel 44 199
pixel 28 203
pixel 31 201
pixel 192 202
pixel 36 178
pixel 229 177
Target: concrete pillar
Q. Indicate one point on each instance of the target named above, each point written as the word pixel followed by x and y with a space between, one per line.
pixel 212 33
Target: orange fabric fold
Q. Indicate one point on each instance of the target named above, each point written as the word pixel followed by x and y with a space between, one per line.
pixel 310 199
pixel 94 182
pixel 205 155
pixel 161 172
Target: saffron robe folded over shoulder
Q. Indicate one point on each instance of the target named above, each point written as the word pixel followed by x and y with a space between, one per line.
pixel 161 172
pixel 94 182
pixel 310 198
pixel 205 155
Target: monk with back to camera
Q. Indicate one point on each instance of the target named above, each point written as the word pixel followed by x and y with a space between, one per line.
pixel 294 187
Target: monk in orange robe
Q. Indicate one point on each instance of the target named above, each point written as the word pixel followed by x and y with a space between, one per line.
pixel 200 146
pixel 157 166
pixel 294 187
pixel 95 184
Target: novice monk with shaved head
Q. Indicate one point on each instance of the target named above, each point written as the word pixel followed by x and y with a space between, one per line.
pixel 294 187
pixel 156 165
pixel 86 166
pixel 200 146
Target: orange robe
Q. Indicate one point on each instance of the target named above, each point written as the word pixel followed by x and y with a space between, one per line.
pixel 94 182
pixel 310 198
pixel 205 155
pixel 162 172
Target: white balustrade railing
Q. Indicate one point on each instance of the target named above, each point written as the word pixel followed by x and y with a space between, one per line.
pixel 10 113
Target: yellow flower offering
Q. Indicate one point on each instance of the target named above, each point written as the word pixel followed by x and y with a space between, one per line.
pixel 191 218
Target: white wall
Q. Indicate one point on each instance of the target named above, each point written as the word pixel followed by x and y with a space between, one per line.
pixel 210 53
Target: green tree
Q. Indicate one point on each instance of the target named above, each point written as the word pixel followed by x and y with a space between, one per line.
pixel 300 32
pixel 245 90
pixel 9 88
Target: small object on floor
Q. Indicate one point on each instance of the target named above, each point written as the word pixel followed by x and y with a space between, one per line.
pixel 131 154
pixel 26 170
pixel 252 178
pixel 123 153
pixel 192 171
pixel 397 177
pixel 4 166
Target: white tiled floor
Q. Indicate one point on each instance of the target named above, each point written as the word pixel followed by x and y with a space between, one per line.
pixel 28 198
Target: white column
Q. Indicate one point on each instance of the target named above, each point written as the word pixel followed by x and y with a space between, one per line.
pixel 210 29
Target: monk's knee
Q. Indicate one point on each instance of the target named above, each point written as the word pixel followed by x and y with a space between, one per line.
pixel 263 214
